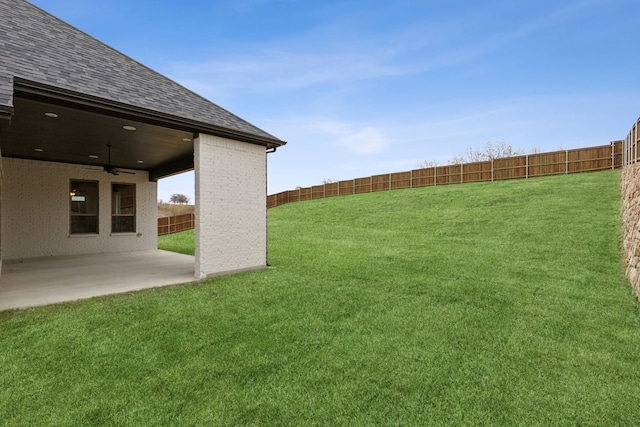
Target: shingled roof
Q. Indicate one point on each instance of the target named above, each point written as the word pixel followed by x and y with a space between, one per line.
pixel 39 48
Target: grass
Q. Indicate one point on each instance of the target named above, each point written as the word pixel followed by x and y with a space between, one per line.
pixel 489 304
pixel 181 243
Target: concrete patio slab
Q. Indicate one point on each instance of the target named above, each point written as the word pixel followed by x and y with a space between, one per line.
pixel 42 281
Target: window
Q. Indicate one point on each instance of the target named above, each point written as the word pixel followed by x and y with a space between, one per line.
pixel 83 200
pixel 123 208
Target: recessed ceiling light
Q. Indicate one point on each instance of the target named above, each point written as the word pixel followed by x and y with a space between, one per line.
pixel 141 161
pixel 52 115
pixel 128 127
pixel 39 150
pixel 93 156
pixel 186 139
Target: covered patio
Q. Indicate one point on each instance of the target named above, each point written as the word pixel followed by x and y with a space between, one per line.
pixel 85 134
pixel 47 280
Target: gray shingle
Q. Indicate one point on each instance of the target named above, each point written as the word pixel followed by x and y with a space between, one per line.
pixel 6 90
pixel 37 46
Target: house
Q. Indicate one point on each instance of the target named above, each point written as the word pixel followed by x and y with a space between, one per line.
pixel 85 134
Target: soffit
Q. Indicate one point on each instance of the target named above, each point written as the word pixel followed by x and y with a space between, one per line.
pixel 75 134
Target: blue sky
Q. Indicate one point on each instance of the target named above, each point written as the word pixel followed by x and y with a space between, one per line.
pixel 359 88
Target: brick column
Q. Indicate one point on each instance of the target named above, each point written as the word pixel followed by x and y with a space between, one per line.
pixel 231 212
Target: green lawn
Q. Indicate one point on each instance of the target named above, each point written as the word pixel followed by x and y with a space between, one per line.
pixel 181 243
pixel 477 304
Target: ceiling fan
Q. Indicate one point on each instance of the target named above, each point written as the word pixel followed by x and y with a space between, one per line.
pixel 112 170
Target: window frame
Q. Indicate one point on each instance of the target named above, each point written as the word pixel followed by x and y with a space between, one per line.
pixel 115 215
pixel 72 190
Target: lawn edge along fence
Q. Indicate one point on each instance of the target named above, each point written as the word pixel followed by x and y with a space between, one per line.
pixel 578 160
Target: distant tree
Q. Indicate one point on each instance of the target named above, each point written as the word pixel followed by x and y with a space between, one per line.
pixel 497 150
pixel 492 150
pixel 179 199
pixel 329 181
pixel 426 164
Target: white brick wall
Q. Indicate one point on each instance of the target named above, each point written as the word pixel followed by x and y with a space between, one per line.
pixel 231 214
pixel 35 211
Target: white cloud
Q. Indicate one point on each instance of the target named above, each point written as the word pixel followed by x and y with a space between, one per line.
pixel 365 141
pixel 282 71
pixel 335 56
pixel 361 139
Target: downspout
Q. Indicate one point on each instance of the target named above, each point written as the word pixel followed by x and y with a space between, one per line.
pixel 1 192
pixel 266 192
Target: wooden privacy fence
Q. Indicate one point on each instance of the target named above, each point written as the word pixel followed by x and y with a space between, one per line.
pixel 173 224
pixel 630 145
pixel 526 166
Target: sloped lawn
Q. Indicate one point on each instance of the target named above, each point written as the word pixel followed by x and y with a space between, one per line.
pixel 489 304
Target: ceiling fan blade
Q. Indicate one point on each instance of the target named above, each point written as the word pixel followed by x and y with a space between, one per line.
pixel 111 170
pixel 116 171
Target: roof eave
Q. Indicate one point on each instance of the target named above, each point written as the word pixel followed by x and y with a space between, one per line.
pixel 6 112
pixel 42 92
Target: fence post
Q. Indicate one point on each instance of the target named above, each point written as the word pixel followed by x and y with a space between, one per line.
pixel 435 176
pixel 411 178
pixel 566 162
pixel 635 144
pixel 491 170
pixel 632 148
pixel 526 166
pixel 461 173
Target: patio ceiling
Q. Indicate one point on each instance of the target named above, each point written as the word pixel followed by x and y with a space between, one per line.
pixel 78 133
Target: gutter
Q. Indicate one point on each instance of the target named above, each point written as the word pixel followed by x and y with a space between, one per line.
pixel 6 113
